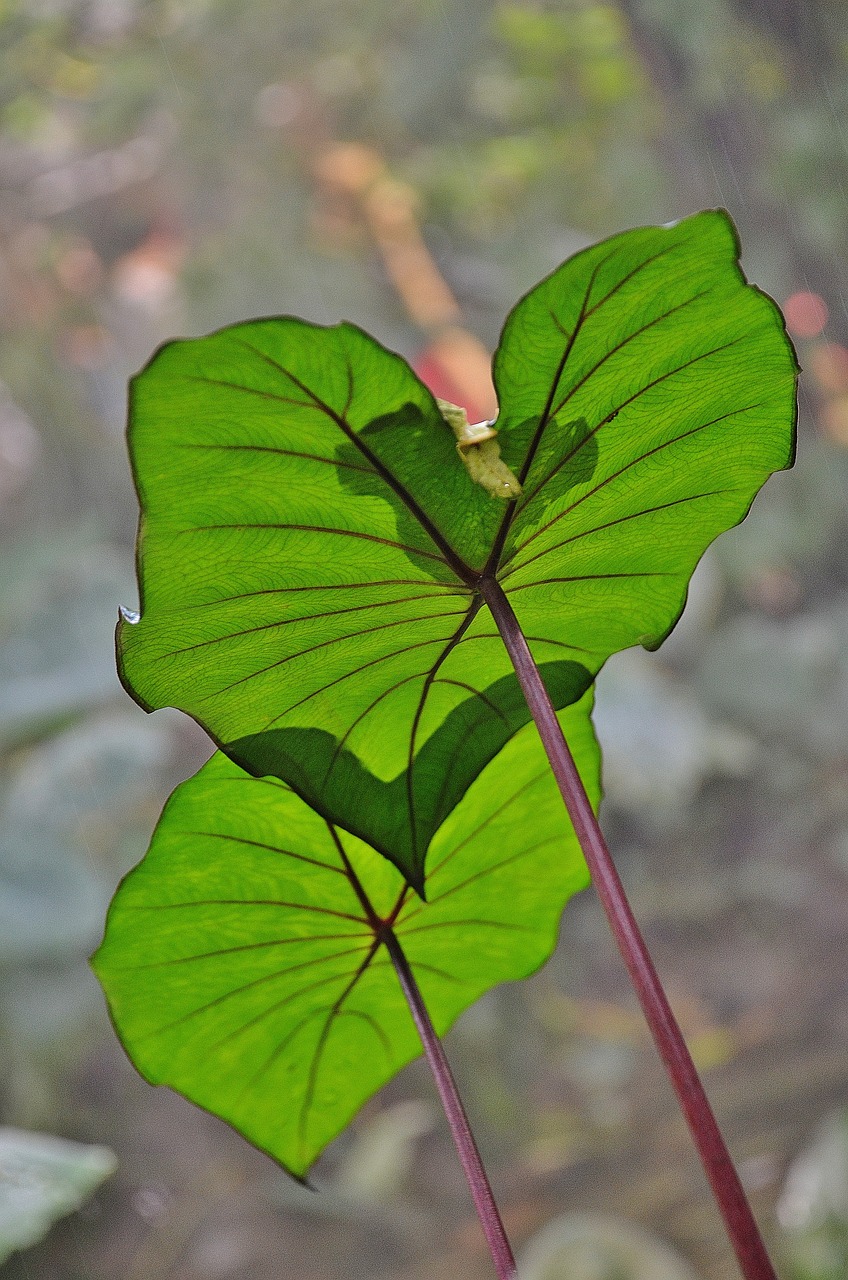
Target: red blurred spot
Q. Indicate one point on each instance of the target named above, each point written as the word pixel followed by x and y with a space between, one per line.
pixel 833 420
pixel 806 314
pixel 829 366
pixel 437 378
pixel 87 346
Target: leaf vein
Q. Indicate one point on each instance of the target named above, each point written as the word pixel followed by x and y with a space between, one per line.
pixel 664 444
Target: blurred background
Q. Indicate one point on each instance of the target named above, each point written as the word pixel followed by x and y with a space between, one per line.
pixel 169 167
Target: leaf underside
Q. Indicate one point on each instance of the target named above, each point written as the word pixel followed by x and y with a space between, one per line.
pixel 311 545
pixel 242 961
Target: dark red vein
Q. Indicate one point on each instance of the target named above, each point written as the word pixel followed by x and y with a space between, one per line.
pixel 584 314
pixel 350 386
pixel 278 1050
pixel 258 844
pixel 328 613
pixel 284 453
pixel 449 587
pixel 613 351
pixel 447 768
pixel 560 644
pixel 481 826
pixel 419 644
pixel 276 783
pixel 313 648
pixel 625 279
pixel 494 867
pixel 355 883
pixel 664 444
pixel 250 391
pixel 265 978
pixel 316 528
pixel 455 639
pixel 558 372
pixel 384 657
pixel 399 904
pixel 371 1021
pixel 452 924
pixel 372 705
pixel 609 524
pixel 245 902
pixel 527 498
pixel 274 1008
pixel 442 973
pixel 590 577
pixel 477 693
pixel 462 570
pixel 323 1039
pixel 249 946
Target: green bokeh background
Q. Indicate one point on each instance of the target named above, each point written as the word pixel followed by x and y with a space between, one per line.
pixel 157 178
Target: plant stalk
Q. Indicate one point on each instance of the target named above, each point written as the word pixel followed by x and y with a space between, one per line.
pixel 481 1191
pixel 738 1217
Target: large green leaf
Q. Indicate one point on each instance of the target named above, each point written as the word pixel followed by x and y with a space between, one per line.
pixel 242 960
pixel 647 392
pixel 312 546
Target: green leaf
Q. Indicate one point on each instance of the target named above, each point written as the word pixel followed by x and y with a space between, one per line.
pixel 400 817
pixel 311 545
pixel 646 392
pixel 248 936
pixel 42 1179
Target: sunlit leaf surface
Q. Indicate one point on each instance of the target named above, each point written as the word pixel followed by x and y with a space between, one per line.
pixel 242 959
pixel 311 545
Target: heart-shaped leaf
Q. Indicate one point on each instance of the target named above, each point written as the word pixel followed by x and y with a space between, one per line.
pixel 312 547
pixel 253 933
pixel 646 392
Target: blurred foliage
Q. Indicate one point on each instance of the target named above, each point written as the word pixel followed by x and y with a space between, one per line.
pixel 160 174
pixel 814 1206
pixel 42 1179
pixel 591 1246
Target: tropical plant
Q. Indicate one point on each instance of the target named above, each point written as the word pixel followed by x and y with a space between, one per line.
pixel 364 601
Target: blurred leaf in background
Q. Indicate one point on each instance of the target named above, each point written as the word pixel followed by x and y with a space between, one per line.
pixel 592 1246
pixel 56 618
pixel 41 1179
pixel 813 1208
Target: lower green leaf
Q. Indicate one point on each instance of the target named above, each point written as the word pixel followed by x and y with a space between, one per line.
pixel 244 958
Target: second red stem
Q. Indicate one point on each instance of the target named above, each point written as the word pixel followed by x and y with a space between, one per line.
pixel 466 1147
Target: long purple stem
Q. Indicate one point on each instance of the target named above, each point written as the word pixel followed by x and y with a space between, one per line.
pixel 466 1147
pixel 724 1180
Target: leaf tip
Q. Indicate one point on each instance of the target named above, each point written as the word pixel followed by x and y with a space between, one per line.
pixel 417 880
pixel 127 618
